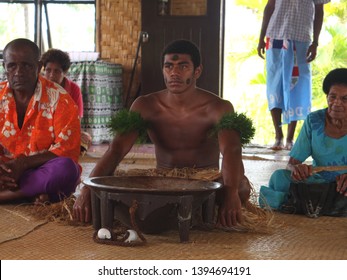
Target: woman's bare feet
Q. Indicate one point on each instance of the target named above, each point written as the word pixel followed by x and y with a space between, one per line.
pixel 278 145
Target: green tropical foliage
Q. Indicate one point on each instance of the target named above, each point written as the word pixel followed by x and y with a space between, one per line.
pixel 239 122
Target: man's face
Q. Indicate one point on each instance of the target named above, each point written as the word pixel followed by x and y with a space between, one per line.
pixel 21 68
pixel 179 72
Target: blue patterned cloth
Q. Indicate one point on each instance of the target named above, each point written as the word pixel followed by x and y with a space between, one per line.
pixel 312 142
pixel 288 79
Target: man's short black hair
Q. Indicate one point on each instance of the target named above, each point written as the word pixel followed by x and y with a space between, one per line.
pixel 183 47
pixel 337 76
pixel 23 42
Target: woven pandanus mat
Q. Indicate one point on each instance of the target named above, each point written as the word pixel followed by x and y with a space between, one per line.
pixel 293 237
pixel 15 223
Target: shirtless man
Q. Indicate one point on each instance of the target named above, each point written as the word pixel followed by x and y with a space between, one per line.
pixel 180 119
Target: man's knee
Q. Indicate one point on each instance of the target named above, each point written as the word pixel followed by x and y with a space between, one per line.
pixel 63 176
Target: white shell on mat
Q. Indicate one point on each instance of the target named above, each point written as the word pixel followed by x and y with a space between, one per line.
pixel 133 236
pixel 104 233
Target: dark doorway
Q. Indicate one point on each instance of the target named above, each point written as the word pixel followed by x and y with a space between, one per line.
pixel 200 21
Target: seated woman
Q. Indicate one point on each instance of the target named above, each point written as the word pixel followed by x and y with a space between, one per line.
pixel 56 63
pixel 324 138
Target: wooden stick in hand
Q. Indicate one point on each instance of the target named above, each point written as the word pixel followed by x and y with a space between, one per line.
pixel 329 168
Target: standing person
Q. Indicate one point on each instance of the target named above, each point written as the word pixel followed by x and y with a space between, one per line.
pixel 40 130
pixel 288 27
pixel 56 64
pixel 180 119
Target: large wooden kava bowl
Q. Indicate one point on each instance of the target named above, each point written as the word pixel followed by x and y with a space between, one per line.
pixel 151 193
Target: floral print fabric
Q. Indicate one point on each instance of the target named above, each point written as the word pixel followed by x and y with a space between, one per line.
pixel 51 123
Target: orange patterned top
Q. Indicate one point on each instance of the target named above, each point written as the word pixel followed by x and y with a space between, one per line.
pixel 51 123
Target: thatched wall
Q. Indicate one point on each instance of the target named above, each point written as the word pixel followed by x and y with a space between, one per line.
pixel 118 28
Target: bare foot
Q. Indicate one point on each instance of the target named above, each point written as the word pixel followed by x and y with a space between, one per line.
pixel 42 199
pixel 86 142
pixel 278 145
pixel 289 145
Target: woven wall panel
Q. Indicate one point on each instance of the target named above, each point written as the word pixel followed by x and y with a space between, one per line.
pixel 118 29
pixel 119 25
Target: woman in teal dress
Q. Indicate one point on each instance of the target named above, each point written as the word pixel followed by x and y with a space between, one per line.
pixel 323 137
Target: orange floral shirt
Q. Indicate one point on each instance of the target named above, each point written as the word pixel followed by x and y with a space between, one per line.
pixel 51 123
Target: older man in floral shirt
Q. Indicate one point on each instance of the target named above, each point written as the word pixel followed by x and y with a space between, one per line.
pixel 40 130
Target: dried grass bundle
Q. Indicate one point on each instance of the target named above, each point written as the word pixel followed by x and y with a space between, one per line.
pixel 256 219
pixel 208 174
pixel 53 212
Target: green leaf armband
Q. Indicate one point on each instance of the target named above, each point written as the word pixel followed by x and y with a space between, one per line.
pixel 125 121
pixel 239 122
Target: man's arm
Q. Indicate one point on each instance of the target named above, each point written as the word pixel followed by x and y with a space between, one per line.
pixel 119 147
pixel 19 165
pixel 232 172
pixel 117 150
pixel 317 27
pixel 12 170
pixel 230 147
pixel 268 11
pixel 234 130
